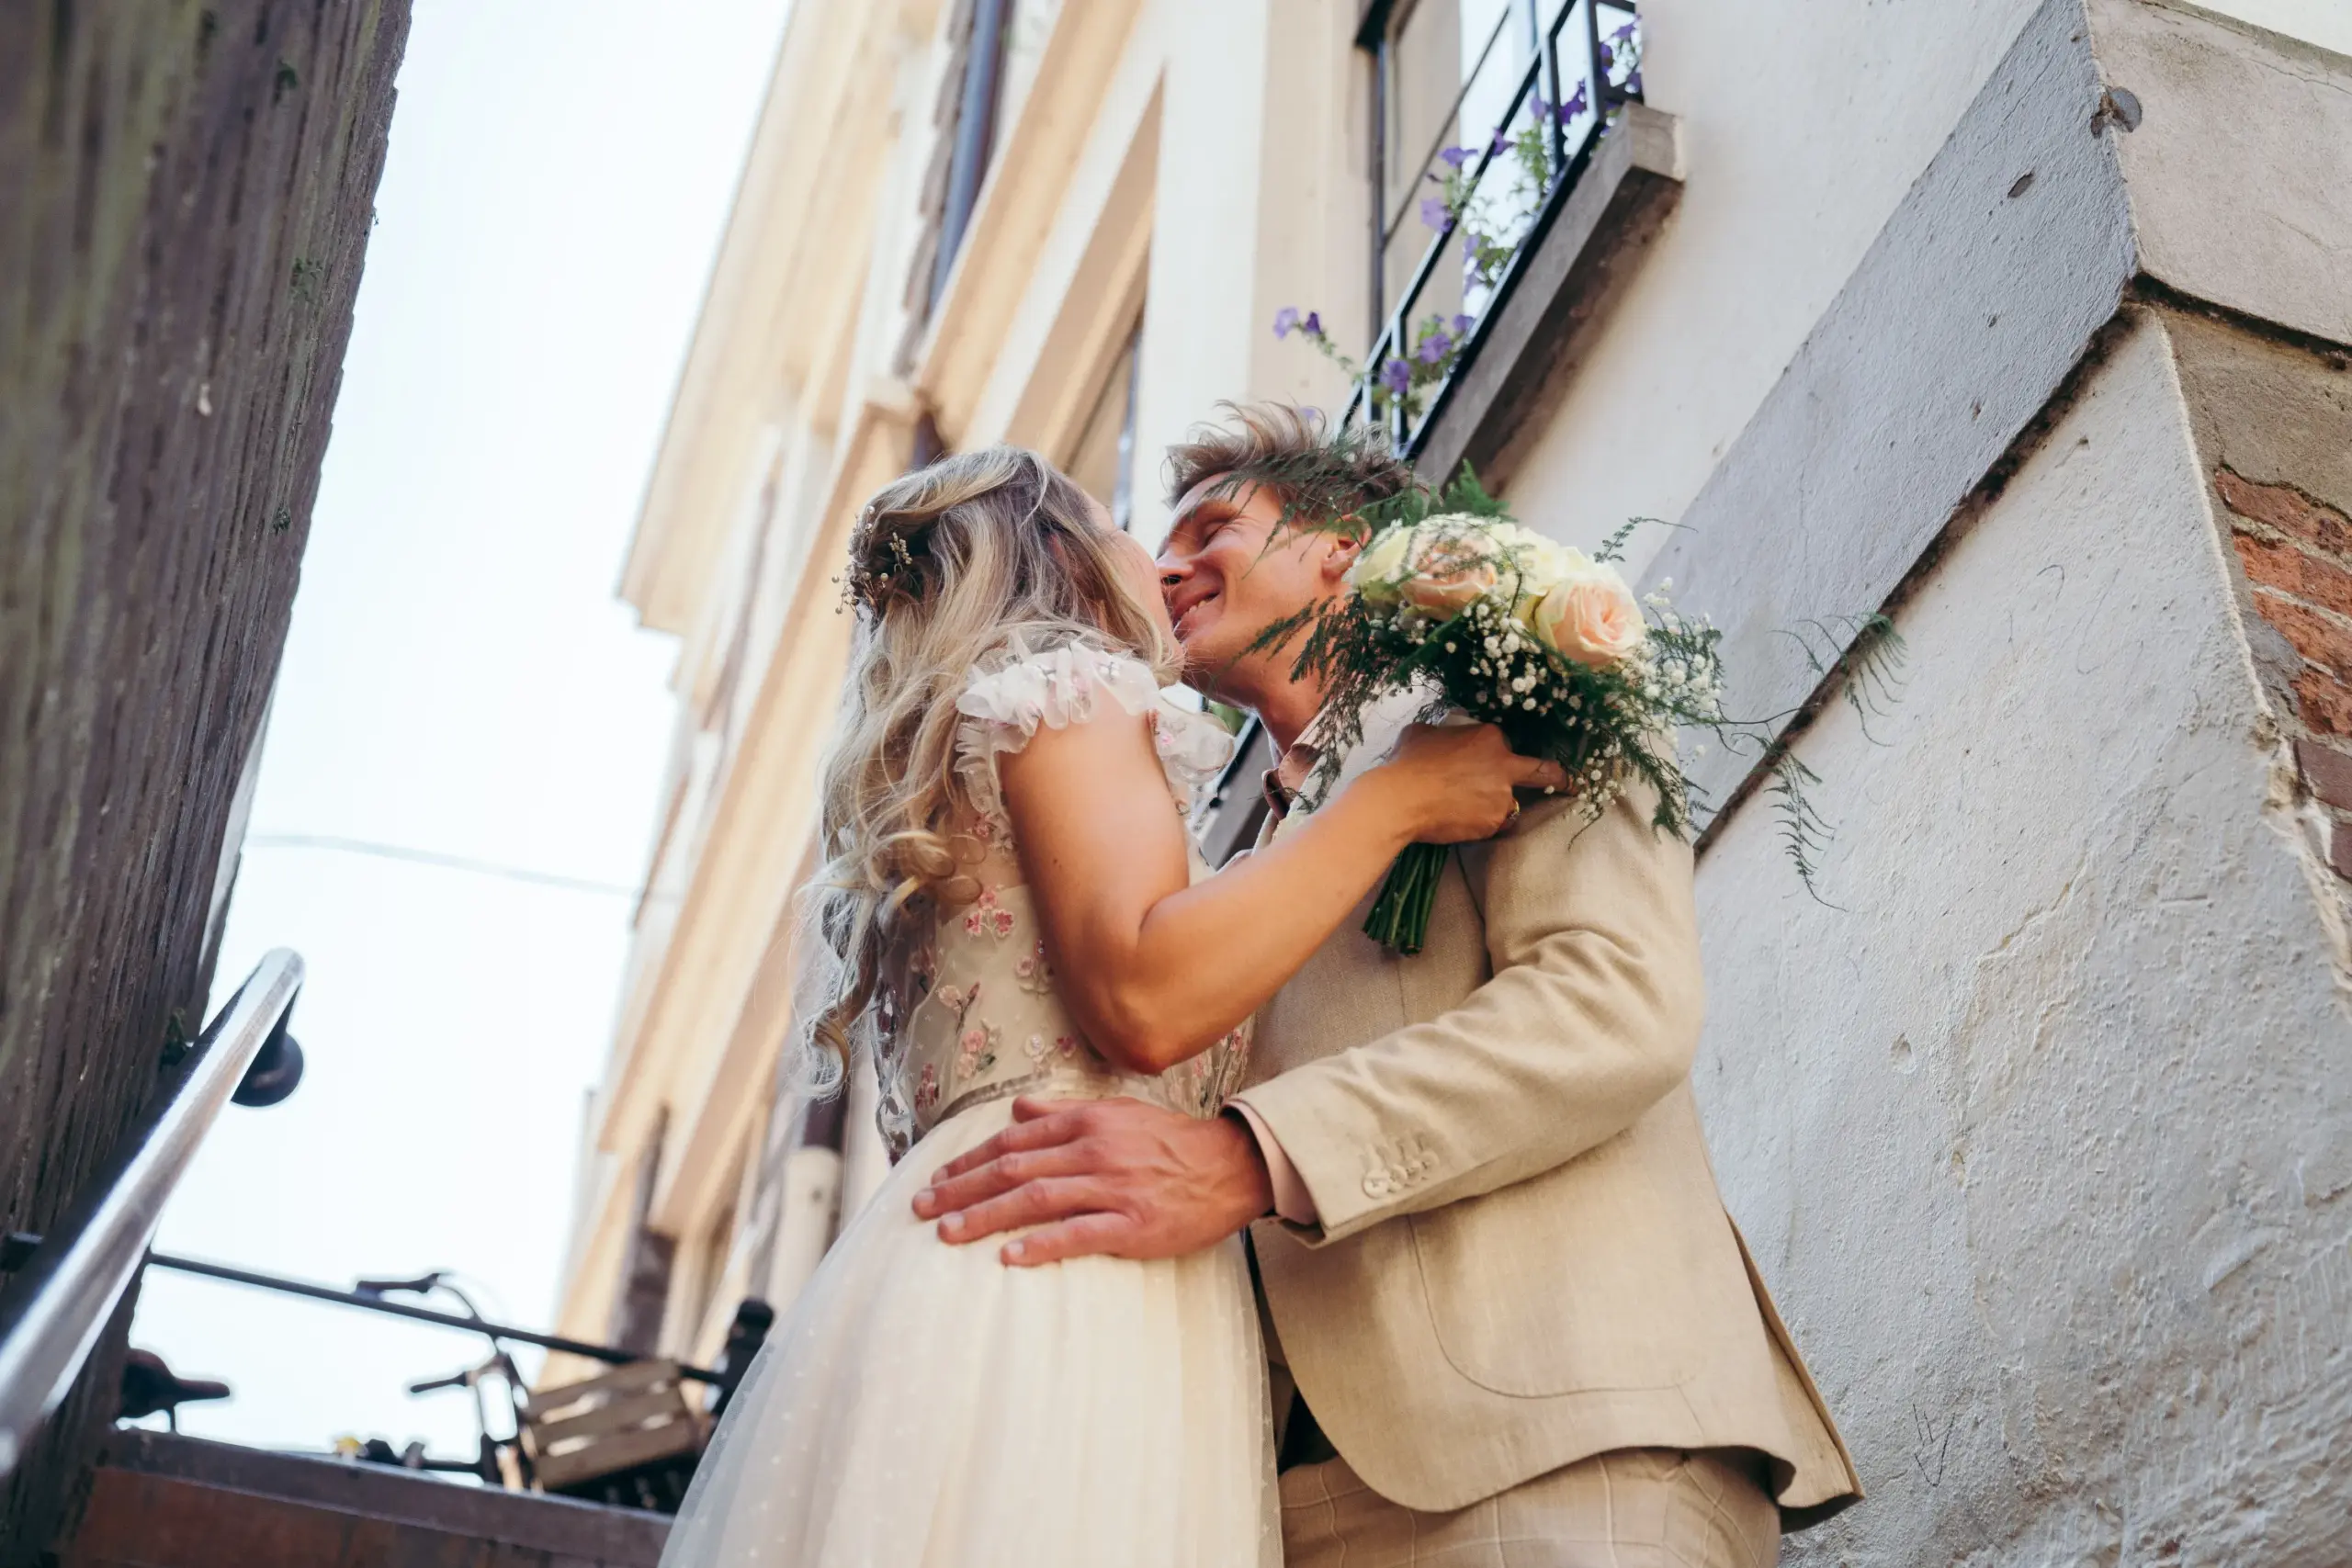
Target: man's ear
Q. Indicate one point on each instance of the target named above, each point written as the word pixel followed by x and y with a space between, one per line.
pixel 1341 545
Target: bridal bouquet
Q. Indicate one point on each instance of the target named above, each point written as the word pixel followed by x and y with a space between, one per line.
pixel 1454 600
pixel 1513 629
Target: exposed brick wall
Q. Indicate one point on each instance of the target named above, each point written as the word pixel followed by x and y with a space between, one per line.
pixel 2297 553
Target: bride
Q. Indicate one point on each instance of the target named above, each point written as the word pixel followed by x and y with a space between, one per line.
pixel 1011 905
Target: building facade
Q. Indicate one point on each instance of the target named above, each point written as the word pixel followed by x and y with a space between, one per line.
pixel 2026 323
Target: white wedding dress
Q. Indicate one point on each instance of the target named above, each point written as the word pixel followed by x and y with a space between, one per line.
pixel 925 1404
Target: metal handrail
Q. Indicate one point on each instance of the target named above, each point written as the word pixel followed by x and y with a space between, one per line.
pixel 62 1301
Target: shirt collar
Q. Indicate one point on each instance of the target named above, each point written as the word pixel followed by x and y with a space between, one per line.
pixel 1291 769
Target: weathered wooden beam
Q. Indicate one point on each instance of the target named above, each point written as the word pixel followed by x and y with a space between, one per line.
pixel 186 193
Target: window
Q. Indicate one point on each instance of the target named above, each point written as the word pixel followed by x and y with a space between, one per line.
pixel 994 47
pixel 1449 67
pixel 1484 114
pixel 710 1270
pixel 646 1257
pixel 971 90
pixel 1029 26
pixel 1103 461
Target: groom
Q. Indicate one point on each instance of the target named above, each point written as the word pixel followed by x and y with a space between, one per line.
pixel 1508 1319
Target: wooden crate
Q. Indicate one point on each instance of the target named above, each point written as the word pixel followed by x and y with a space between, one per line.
pixel 634 1415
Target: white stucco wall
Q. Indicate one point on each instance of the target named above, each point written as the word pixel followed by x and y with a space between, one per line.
pixel 1198 304
pixel 2044 1134
pixel 1803 125
pixel 2240 169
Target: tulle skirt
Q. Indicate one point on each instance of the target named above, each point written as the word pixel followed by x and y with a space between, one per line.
pixel 922 1405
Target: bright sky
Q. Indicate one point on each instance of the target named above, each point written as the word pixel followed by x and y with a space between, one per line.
pixel 2328 23
pixel 461 680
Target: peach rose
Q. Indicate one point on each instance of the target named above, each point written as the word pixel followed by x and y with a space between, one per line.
pixel 1592 617
pixel 1449 575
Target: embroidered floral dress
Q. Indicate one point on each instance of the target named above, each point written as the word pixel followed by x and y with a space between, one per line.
pixel 984 1020
pixel 923 1404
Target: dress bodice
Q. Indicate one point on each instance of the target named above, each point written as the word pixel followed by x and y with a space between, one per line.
pixel 984 1018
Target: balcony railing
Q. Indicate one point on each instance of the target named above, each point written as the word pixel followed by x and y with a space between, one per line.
pixel 1489 202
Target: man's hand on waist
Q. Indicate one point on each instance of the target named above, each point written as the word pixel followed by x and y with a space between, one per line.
pixel 1114 1177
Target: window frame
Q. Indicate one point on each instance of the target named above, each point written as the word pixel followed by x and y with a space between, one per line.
pixel 1381 25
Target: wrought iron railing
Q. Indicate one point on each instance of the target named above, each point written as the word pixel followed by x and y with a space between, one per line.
pixel 504 1457
pixel 1491 205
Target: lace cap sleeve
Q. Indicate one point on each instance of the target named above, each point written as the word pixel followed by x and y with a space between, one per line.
pixel 1004 707
pixel 1193 750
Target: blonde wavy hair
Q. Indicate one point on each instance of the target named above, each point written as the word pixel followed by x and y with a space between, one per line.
pixel 950 565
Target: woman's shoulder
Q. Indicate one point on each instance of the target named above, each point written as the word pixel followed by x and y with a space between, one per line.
pixel 1019 688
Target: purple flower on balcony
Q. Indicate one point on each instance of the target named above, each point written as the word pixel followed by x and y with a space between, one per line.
pixel 1434 212
pixel 1499 145
pixel 1454 157
pixel 1461 325
pixel 1574 106
pixel 1313 325
pixel 1284 320
pixel 1396 376
pixel 1433 347
pixel 1539 106
pixel 1634 81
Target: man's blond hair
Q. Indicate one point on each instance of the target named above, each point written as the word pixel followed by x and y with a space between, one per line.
pixel 1320 475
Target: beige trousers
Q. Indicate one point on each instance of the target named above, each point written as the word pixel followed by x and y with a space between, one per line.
pixel 1633 1508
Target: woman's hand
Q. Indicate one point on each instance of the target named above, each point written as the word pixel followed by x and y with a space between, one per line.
pixel 1454 784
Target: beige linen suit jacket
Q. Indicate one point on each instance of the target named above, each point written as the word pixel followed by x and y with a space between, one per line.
pixel 1521 1258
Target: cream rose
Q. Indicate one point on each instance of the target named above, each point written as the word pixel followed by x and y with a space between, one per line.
pixel 1543 564
pixel 1375 575
pixel 1525 545
pixel 1592 617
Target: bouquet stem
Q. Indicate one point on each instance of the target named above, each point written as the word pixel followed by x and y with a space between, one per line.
pixel 1400 916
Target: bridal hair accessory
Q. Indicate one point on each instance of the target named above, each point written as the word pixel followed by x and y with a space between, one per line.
pixel 878 568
